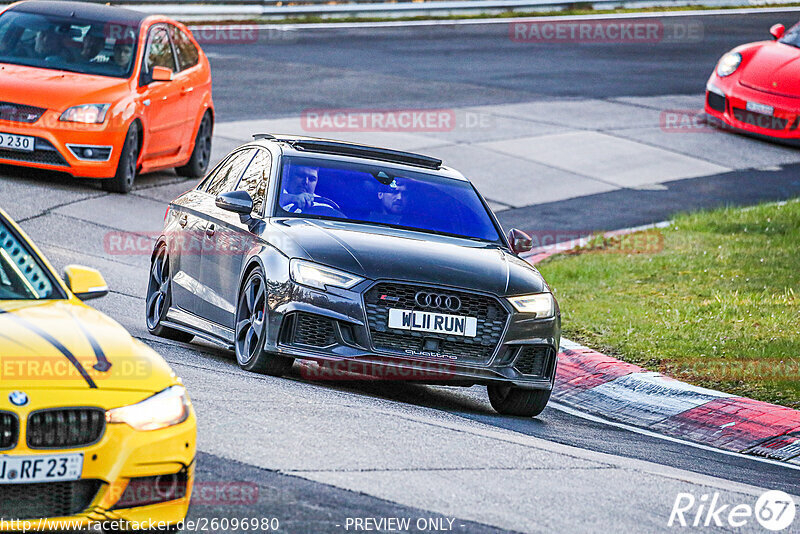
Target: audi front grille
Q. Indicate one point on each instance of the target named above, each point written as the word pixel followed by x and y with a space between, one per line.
pixel 491 315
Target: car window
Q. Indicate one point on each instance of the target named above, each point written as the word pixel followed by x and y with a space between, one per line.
pixel 203 185
pixel 22 277
pixel 256 178
pixel 228 175
pixel 187 52
pixel 99 47
pixel 376 194
pixel 158 53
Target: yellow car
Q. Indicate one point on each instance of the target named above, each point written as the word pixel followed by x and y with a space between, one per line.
pixel 94 425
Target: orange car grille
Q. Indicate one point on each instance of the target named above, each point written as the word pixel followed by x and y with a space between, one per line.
pixel 44 152
pixel 20 112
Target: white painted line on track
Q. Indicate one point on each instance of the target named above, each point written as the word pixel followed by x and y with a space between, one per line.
pixel 597 419
pixel 488 21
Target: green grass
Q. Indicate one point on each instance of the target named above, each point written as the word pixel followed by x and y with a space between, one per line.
pixel 719 306
pixel 578 9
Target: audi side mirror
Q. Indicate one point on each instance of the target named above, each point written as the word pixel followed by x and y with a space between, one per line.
pixel 520 241
pixel 236 201
pixel 777 31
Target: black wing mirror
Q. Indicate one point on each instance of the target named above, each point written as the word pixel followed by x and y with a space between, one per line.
pixel 519 240
pixel 236 201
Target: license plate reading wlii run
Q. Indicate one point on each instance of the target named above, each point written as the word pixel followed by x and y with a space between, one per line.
pixel 16 142
pixel 440 323
pixel 44 468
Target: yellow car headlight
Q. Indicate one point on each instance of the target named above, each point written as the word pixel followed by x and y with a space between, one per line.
pixel 540 304
pixel 167 408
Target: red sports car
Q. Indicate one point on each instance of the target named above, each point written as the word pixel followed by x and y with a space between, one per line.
pixel 755 88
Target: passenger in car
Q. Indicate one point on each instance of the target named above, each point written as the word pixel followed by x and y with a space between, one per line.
pixel 92 46
pixel 393 200
pixel 49 45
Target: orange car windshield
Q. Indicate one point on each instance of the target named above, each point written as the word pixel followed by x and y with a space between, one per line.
pixel 104 48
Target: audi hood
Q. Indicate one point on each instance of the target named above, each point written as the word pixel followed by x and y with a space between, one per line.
pixel 378 252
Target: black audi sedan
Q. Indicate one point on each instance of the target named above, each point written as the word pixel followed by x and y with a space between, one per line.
pixel 338 253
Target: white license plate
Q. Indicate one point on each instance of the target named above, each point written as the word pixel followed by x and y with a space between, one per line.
pixel 760 108
pixel 440 323
pixel 40 468
pixel 16 142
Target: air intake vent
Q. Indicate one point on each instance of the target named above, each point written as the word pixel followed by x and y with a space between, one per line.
pixel 43 500
pixel 534 360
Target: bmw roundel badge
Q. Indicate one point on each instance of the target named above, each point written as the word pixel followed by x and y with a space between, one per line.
pixel 18 398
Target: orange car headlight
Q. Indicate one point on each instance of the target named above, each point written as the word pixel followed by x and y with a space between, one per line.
pixel 167 408
pixel 86 113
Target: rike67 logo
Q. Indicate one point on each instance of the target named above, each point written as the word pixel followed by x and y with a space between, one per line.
pixel 774 510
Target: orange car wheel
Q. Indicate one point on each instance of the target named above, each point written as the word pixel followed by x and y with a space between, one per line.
pixel 201 155
pixel 122 182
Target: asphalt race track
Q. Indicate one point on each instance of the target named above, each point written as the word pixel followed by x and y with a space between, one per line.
pixel 315 454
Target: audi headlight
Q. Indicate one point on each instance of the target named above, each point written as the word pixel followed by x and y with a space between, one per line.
pixel 86 113
pixel 728 64
pixel 318 276
pixel 541 304
pixel 164 409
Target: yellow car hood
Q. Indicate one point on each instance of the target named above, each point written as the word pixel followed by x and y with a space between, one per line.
pixel 64 344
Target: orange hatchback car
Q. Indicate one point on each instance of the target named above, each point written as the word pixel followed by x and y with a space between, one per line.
pixel 102 92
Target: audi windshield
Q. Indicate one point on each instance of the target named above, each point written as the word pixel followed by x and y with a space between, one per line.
pixel 365 193
pixel 53 42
